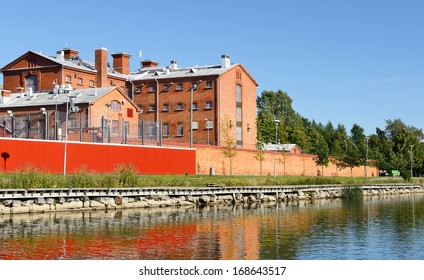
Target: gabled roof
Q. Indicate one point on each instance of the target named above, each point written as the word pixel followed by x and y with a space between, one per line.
pixel 81 96
pixel 165 72
pixel 72 62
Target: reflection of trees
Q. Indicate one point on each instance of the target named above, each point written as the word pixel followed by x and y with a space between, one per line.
pixel 323 229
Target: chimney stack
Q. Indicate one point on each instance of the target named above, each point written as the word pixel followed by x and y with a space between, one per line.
pixel 121 63
pixel 101 67
pixel 225 61
pixel 67 53
pixel 149 63
pixel 174 65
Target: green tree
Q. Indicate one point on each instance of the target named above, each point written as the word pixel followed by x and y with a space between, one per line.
pixel 339 148
pixel 319 148
pixel 260 155
pixel 278 106
pixel 228 142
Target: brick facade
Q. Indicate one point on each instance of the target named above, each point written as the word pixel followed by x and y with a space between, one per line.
pixel 290 164
pixel 50 71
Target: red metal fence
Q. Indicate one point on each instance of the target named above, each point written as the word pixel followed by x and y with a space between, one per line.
pixel 96 157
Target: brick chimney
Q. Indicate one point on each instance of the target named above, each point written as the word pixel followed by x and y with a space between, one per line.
pixel 67 53
pixel 149 63
pixel 100 62
pixel 121 63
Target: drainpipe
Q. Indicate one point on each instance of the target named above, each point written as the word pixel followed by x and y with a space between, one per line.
pixel 218 113
pixel 157 110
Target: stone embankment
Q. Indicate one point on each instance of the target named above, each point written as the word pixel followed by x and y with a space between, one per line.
pixel 49 200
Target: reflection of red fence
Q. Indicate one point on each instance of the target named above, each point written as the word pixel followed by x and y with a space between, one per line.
pixel 96 157
pixel 176 242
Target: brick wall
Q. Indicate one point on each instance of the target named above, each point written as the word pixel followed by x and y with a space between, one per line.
pixel 244 163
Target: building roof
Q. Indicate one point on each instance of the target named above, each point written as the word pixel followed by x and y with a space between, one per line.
pixel 73 62
pixel 165 72
pixel 279 147
pixel 37 99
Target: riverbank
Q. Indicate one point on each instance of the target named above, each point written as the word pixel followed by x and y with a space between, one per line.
pixel 17 201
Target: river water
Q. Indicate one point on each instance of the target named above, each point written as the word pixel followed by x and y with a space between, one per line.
pixel 376 228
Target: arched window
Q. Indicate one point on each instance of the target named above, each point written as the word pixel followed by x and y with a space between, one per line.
pixel 115 106
pixel 180 129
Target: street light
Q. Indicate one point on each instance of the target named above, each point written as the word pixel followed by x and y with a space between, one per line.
pixel 366 161
pixel 412 173
pixel 46 121
pixel 275 150
pixel 68 90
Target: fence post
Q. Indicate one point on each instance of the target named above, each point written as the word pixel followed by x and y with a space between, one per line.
pixel 28 128
pixel 103 129
pixel 160 134
pixel 142 132
pixel 80 117
pixel 124 132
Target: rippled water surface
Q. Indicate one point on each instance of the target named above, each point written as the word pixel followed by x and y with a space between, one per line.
pixel 377 228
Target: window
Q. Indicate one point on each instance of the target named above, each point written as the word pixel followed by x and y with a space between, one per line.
pixel 165 108
pixel 152 130
pixel 180 86
pixel 239 119
pixel 238 93
pixel 115 106
pixel 166 129
pixel 208 105
pixel 115 127
pixel 208 84
pixel 238 75
pixel 165 88
pixel 32 82
pixel 152 108
pixel 91 83
pixel 180 129
pixel 68 79
pixel 239 136
pixel 138 89
pixel 130 112
pixel 195 86
pixel 72 121
pixel 238 114
pixel 151 88
pixel 180 106
pixel 195 107
pixel 79 81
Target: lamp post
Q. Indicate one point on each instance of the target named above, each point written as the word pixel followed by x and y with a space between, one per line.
pixel 46 120
pixel 412 173
pixel 66 132
pixel 275 149
pixel 12 122
pixel 191 116
pixel 366 160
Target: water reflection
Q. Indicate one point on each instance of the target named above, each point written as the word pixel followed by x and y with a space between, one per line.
pixel 390 227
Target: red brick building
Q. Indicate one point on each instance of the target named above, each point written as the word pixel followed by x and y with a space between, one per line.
pixel 42 115
pixel 222 94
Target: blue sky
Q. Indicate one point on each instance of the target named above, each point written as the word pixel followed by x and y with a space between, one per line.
pixel 352 61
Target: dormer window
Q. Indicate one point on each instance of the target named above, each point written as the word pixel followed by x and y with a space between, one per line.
pixel 151 88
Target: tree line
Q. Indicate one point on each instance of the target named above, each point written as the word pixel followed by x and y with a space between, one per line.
pixel 397 146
